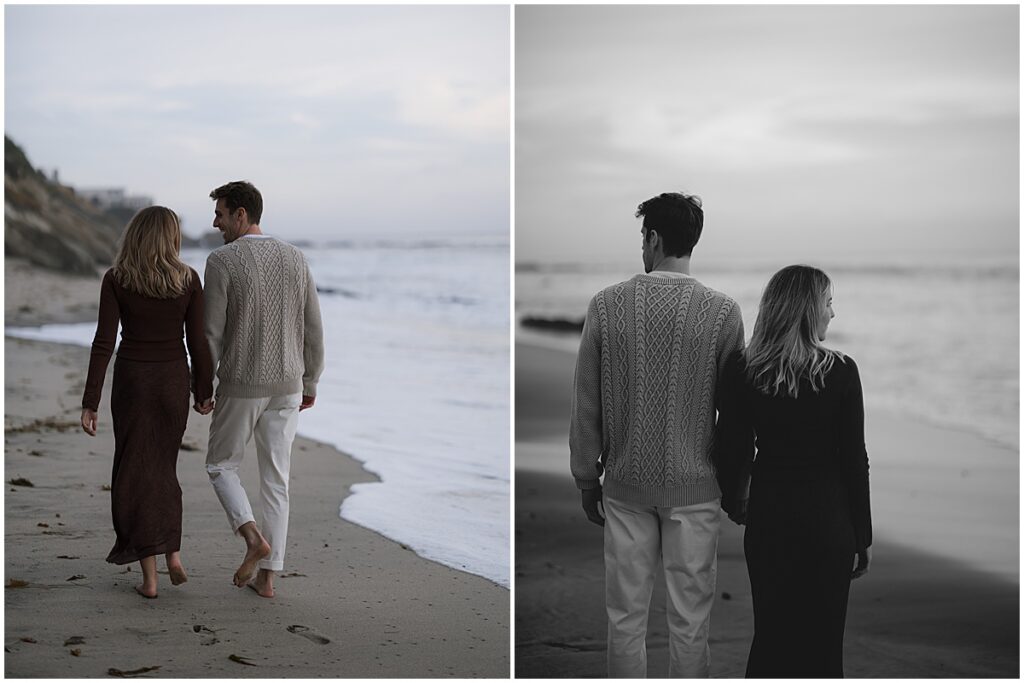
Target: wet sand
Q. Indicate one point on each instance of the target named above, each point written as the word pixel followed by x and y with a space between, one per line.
pixel 941 599
pixel 350 603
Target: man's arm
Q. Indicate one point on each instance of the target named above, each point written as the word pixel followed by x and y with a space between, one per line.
pixel 586 442
pixel 732 339
pixel 312 343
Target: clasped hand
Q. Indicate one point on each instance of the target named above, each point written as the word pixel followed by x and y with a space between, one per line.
pixel 739 513
pixel 593 505
pixel 204 408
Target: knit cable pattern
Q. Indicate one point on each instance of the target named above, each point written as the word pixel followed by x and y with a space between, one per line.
pixel 264 327
pixel 655 366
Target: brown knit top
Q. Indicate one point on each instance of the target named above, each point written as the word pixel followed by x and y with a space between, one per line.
pixel 151 331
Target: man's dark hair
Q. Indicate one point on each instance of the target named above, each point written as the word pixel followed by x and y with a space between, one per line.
pixel 241 194
pixel 677 217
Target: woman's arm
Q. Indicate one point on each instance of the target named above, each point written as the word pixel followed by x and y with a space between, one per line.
pixel 102 349
pixel 733 453
pixel 854 457
pixel 198 347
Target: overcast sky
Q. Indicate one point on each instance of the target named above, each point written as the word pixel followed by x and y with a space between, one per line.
pixel 809 131
pixel 352 121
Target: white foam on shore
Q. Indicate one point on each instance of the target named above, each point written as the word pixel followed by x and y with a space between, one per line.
pixel 947 492
pixel 938 341
pixel 416 388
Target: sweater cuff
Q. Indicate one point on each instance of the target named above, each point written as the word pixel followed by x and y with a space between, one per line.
pixel 308 388
pixel 586 484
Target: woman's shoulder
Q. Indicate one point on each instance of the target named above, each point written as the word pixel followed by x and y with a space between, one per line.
pixel 844 368
pixel 735 368
pixel 110 281
pixel 845 360
pixel 193 284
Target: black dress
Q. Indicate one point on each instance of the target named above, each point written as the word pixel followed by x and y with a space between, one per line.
pixel 149 404
pixel 809 512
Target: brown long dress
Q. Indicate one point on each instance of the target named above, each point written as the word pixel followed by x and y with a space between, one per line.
pixel 149 405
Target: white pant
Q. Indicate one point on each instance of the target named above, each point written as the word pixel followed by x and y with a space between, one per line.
pixel 272 421
pixel 686 540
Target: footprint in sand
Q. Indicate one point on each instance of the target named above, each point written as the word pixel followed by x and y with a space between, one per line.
pixel 305 632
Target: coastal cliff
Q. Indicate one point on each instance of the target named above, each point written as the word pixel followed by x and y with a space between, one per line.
pixel 47 225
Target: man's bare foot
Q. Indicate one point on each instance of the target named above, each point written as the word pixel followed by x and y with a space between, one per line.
pixel 263 584
pixel 144 593
pixel 256 548
pixel 262 592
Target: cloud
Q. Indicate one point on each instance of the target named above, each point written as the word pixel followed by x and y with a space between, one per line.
pixel 303 121
pixel 321 106
pixel 459 110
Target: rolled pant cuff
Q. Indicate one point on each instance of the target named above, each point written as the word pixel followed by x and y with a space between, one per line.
pixel 240 522
pixel 271 565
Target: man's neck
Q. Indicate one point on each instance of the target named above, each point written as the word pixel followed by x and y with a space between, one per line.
pixel 253 229
pixel 673 264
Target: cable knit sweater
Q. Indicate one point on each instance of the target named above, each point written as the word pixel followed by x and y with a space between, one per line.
pixel 263 319
pixel 652 352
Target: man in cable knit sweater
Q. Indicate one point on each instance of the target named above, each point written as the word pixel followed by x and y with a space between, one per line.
pixel 643 415
pixel 265 333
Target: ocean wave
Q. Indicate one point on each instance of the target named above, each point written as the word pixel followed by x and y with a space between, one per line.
pixel 337 291
pixel 456 243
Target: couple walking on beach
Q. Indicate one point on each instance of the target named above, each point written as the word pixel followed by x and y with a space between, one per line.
pixel 659 355
pixel 256 327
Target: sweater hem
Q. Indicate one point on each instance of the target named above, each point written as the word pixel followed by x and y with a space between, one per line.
pixel 695 493
pixel 292 386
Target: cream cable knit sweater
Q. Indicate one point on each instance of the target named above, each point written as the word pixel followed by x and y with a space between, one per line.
pixel 263 319
pixel 652 352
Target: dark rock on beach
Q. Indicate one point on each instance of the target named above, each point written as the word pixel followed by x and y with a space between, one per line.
pixel 553 324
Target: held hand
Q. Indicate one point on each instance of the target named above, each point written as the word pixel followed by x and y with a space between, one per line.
pixel 89 420
pixel 307 402
pixel 739 515
pixel 593 506
pixel 863 561
pixel 204 408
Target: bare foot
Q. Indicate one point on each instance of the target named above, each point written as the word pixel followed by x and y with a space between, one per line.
pixel 175 568
pixel 254 552
pixel 263 592
pixel 147 588
pixel 177 574
pixel 151 595
pixel 263 584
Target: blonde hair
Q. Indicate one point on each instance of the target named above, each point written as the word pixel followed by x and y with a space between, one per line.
pixel 147 261
pixel 784 347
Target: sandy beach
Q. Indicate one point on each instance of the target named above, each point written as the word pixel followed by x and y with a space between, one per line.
pixel 941 599
pixel 350 603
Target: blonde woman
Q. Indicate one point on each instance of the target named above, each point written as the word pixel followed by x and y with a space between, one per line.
pixel 153 295
pixel 793 467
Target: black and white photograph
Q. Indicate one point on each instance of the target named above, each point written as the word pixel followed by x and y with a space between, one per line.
pixel 766 341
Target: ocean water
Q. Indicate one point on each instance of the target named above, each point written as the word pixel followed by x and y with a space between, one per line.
pixel 416 387
pixel 933 340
